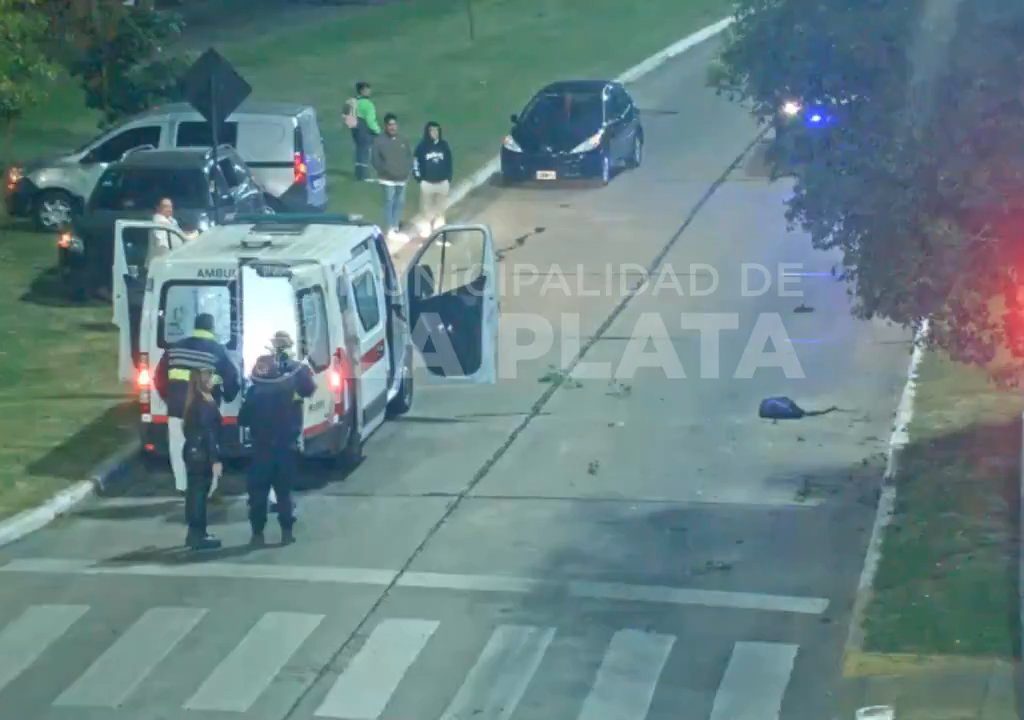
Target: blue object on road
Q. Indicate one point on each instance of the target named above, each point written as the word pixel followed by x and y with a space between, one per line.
pixel 782 408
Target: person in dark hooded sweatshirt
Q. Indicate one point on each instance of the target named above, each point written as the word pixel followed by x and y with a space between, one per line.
pixel 272 410
pixel 433 169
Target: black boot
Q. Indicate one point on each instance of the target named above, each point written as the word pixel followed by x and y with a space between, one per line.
pixel 257 540
pixel 287 536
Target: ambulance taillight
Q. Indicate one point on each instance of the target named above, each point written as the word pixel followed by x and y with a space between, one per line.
pixel 337 379
pixel 143 382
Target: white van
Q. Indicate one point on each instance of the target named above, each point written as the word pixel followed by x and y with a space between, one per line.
pixel 331 283
pixel 280 142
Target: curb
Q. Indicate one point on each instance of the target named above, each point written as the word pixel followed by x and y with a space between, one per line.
pixel 28 521
pixel 887 497
pixel 479 178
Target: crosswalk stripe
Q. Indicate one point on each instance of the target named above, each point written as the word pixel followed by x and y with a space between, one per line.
pixel 126 663
pixel 754 682
pixel 628 676
pixel 27 637
pixel 364 689
pixel 499 678
pixel 243 675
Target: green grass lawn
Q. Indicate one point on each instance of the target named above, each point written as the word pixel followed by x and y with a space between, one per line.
pixel 62 409
pixel 947 582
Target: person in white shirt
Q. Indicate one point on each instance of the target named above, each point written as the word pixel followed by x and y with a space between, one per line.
pixel 162 242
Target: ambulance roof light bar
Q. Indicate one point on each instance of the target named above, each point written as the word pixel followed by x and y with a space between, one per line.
pixel 298 219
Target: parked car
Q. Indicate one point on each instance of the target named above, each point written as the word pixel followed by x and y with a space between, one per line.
pixel 280 142
pixel 204 193
pixel 574 129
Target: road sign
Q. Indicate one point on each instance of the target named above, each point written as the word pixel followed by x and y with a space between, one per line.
pixel 214 88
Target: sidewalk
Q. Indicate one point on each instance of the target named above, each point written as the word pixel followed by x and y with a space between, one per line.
pixel 923 687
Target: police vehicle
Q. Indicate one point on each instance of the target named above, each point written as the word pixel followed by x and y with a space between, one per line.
pixel 331 283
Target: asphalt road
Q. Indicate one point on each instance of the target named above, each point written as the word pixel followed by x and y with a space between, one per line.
pixel 557 546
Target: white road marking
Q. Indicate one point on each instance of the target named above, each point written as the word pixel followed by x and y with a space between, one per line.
pixel 126 663
pixel 27 637
pixel 628 676
pixel 438 581
pixel 242 676
pixel 754 682
pixel 499 678
pixel 363 690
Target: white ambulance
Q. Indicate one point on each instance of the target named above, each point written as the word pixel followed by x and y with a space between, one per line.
pixel 332 284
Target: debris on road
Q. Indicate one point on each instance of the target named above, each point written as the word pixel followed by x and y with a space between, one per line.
pixel 801 308
pixel 593 466
pixel 618 389
pixel 559 377
pixel 783 408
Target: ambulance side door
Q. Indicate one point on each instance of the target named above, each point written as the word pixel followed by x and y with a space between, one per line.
pixel 129 280
pixel 371 361
pixel 451 287
pixel 313 345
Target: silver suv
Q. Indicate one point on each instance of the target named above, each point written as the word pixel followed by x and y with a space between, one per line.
pixel 280 142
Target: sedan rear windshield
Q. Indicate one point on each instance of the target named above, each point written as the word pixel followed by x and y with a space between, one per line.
pixel 573 109
pixel 141 188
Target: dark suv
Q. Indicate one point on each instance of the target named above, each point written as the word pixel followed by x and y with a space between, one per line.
pixel 204 193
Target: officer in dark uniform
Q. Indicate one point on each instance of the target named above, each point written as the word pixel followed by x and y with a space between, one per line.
pixel 272 411
pixel 199 351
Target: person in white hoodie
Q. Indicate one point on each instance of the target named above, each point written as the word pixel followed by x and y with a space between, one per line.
pixel 162 242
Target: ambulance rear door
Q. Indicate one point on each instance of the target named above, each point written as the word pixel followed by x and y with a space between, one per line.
pixel 372 361
pixel 129 281
pixel 313 346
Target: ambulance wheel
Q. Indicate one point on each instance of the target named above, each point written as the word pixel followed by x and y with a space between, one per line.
pixel 402 402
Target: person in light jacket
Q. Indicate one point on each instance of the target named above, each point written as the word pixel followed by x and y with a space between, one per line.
pixel 433 169
pixel 392 159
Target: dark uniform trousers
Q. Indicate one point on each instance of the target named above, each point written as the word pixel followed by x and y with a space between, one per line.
pixel 196 494
pixel 272 468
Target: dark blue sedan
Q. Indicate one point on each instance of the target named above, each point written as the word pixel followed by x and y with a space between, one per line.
pixel 574 129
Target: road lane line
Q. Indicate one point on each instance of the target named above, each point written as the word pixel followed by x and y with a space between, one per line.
pixel 625 592
pixel 363 690
pixel 499 678
pixel 242 676
pixel 24 639
pixel 628 676
pixel 126 663
pixel 754 682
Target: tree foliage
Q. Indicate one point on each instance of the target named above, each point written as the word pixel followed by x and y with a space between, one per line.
pixel 119 53
pixel 920 182
pixel 25 69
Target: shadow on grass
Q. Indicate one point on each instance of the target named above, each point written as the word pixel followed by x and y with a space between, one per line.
pixel 76 456
pixel 47 289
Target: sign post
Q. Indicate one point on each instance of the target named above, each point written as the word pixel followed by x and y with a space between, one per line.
pixel 215 89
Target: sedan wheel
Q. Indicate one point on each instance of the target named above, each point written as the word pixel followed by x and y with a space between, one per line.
pixel 638 152
pixel 53 210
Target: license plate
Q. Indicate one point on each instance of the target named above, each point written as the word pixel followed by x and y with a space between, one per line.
pixel 546 175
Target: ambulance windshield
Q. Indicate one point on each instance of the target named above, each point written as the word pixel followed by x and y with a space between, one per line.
pixel 180 302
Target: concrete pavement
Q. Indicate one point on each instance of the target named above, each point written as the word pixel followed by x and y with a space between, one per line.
pixel 636 546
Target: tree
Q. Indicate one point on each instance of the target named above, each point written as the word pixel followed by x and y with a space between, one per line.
pixel 25 70
pixel 120 55
pixel 920 183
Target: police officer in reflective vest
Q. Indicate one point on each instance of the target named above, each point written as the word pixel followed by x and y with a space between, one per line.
pixel 200 351
pixel 272 411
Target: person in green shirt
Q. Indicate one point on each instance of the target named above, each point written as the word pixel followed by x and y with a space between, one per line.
pixel 361 118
